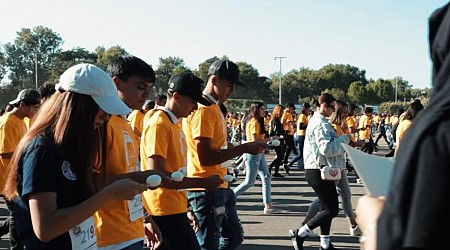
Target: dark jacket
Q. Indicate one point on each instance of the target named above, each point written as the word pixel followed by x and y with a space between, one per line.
pixel 416 212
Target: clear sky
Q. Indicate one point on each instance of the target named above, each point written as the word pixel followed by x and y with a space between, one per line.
pixel 387 38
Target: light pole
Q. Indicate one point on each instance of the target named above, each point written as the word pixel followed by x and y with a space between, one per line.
pixel 36 69
pixel 396 89
pixel 281 77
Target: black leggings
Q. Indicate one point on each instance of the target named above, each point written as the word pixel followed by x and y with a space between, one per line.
pixel 328 197
pixel 278 161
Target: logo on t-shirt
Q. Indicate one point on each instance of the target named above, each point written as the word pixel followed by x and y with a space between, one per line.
pixel 67 171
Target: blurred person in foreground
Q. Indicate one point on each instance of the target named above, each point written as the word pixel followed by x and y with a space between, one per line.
pixel 414 215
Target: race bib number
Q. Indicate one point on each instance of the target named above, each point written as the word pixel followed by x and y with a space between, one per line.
pixel 83 236
pixel 136 208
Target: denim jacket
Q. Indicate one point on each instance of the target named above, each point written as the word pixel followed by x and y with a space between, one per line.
pixel 322 144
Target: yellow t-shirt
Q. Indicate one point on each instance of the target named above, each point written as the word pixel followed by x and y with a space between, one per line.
pixel 350 124
pixel 376 119
pixel 253 127
pixel 302 118
pixel 207 122
pixel 394 120
pixel 120 221
pixel 338 129
pixel 286 119
pixel 164 137
pixel 136 120
pixel 403 126
pixel 364 121
pixel 12 129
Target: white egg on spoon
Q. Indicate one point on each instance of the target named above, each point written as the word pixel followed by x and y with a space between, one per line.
pixel 177 176
pixel 153 180
pixel 228 178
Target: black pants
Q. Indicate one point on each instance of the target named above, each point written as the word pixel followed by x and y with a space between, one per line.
pixel 177 232
pixel 328 197
pixel 278 161
pixel 382 134
pixel 290 147
pixel 9 226
pixel 368 146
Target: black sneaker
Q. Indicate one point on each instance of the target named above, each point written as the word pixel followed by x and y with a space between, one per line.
pixel 330 247
pixel 287 168
pixel 277 175
pixel 297 241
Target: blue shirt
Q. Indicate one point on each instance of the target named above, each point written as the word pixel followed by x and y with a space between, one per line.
pixel 43 169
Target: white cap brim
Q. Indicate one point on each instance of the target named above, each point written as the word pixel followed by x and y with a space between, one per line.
pixel 112 105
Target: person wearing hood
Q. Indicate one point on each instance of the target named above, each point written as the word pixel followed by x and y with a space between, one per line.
pixel 414 215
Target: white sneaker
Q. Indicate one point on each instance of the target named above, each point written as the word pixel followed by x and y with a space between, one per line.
pixel 355 231
pixel 311 234
pixel 359 181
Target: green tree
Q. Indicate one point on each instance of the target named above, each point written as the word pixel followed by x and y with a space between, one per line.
pixel 32 48
pixel 256 85
pixel 202 71
pixel 68 58
pixel 358 93
pixel 105 55
pixel 167 67
pixel 383 91
pixel 338 94
pixel 338 76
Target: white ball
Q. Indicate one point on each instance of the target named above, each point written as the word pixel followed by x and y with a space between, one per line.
pixel 276 143
pixel 366 140
pixel 228 178
pixel 177 176
pixel 281 136
pixel 153 180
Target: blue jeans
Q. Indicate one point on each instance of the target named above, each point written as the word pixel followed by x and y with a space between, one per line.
pixel 256 164
pixel 300 141
pixel 219 225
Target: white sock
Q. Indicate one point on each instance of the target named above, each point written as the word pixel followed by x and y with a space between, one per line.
pixel 303 231
pixel 325 241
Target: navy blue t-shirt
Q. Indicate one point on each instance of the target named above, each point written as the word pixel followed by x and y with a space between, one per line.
pixel 43 169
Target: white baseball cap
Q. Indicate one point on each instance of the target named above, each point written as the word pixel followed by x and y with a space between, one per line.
pixel 89 79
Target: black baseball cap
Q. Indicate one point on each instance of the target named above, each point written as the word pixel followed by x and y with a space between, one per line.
pixel 188 84
pixel 29 96
pixel 226 69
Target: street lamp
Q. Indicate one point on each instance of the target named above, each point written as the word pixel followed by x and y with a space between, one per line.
pixel 281 77
pixel 36 69
pixel 396 89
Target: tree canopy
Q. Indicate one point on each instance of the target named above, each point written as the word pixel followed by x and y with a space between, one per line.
pixel 36 56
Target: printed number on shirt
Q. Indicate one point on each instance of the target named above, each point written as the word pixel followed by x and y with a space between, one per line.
pixel 83 236
pixel 136 208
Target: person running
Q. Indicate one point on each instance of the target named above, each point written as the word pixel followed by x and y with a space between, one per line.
pixel 256 164
pixel 50 176
pixel 12 128
pixel 208 150
pixel 276 128
pixel 164 149
pixel 322 148
pixel 302 124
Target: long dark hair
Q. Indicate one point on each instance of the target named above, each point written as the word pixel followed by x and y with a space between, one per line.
pixel 68 120
pixel 413 109
pixel 254 113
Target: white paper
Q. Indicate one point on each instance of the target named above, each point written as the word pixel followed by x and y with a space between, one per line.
pixel 374 171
